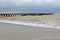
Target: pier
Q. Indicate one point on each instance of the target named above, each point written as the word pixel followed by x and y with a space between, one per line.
pixel 23 14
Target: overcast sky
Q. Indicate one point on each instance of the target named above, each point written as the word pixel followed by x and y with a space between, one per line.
pixel 30 6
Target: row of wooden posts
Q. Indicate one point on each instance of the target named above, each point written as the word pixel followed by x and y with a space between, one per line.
pixel 9 15
pixel 31 14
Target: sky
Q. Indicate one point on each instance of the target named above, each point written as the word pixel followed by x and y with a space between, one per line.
pixel 30 6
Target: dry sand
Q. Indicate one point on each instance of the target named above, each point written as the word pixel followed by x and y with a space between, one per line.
pixel 20 32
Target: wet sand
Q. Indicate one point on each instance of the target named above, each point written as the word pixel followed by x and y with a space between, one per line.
pixel 20 32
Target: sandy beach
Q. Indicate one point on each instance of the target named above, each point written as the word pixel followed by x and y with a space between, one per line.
pixel 20 32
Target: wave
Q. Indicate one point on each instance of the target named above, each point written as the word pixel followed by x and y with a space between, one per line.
pixel 30 24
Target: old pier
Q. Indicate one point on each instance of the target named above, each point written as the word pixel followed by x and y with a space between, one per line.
pixel 24 14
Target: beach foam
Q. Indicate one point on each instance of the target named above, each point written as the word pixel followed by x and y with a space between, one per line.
pixel 29 24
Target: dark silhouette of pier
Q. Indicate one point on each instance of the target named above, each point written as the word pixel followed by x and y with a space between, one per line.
pixel 24 14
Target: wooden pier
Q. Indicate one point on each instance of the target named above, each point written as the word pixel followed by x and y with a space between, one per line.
pixel 24 14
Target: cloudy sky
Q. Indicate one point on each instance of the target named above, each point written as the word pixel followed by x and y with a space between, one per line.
pixel 30 6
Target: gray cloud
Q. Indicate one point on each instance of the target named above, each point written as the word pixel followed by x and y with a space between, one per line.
pixel 30 5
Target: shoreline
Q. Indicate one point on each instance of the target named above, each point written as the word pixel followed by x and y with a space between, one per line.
pixel 30 24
